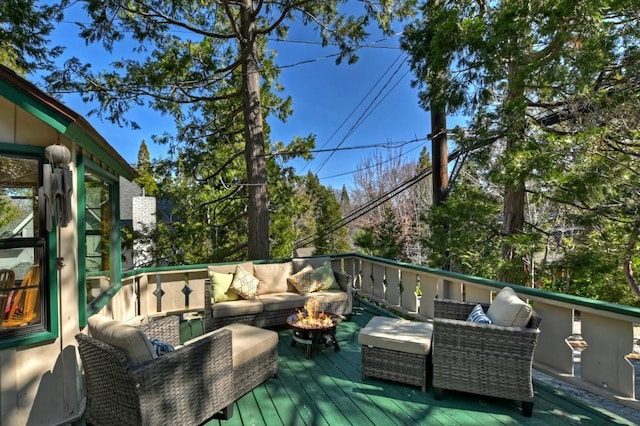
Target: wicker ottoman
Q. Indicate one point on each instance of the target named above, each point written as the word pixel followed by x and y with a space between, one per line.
pixel 398 350
pixel 254 354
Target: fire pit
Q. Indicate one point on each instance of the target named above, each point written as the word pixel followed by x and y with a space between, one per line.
pixel 314 327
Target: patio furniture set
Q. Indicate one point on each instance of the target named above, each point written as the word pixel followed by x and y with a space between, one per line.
pixel 143 375
pixel 485 349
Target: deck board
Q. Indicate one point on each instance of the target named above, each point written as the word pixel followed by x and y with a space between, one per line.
pixel 328 390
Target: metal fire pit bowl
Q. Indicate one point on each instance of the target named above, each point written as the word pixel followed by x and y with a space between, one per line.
pixel 315 335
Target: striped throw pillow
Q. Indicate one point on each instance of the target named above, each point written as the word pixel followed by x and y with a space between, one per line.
pixel 478 316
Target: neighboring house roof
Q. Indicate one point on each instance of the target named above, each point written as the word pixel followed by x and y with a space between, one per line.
pixel 66 121
pixel 16 226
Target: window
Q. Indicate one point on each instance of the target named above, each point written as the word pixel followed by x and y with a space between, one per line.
pixel 23 247
pixel 101 234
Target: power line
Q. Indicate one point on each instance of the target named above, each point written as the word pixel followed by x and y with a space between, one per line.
pixel 387 145
pixel 383 198
pixel 370 108
pixel 353 111
pixel 371 166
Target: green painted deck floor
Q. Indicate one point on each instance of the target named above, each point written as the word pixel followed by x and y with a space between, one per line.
pixel 328 390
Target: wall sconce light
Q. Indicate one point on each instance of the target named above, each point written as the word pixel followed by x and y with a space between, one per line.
pixel 57 185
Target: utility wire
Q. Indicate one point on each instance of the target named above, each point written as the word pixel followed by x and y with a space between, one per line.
pixel 353 111
pixel 383 198
pixel 365 114
pixel 371 166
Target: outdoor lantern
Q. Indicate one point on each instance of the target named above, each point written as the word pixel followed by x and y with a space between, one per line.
pixel 57 185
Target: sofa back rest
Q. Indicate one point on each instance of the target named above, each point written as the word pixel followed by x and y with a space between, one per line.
pixel 315 262
pixel 130 340
pixel 273 277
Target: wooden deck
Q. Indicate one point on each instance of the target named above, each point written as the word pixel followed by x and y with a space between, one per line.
pixel 328 390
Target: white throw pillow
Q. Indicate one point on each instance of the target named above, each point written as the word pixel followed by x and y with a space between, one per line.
pixel 509 310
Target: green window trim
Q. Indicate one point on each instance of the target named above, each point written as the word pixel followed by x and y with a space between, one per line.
pixel 50 309
pixel 87 309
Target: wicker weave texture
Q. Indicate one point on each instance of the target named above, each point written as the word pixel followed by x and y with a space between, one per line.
pixel 187 386
pixel 255 371
pixel 412 369
pixel 480 358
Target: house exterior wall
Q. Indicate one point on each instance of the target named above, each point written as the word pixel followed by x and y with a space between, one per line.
pixel 41 380
pixel 41 384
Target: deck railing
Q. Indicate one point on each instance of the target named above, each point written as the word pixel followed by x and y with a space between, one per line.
pixel 607 329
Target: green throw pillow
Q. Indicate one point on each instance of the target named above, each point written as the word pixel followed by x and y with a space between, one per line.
pixel 325 275
pixel 220 284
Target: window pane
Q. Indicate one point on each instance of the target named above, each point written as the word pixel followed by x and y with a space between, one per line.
pixel 98 216
pixel 21 245
pixel 20 287
pixel 18 197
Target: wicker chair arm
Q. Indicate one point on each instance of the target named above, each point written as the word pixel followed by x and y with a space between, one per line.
pixel 208 309
pixel 485 338
pixel 166 329
pixel 344 281
pixel 189 385
pixel 455 309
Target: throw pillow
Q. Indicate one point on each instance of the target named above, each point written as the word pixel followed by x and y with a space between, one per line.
pixel 478 316
pixel 509 310
pixel 220 284
pixel 305 281
pixel 327 279
pixel 161 347
pixel 245 284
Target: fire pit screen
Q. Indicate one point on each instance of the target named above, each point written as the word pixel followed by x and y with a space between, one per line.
pixel 314 327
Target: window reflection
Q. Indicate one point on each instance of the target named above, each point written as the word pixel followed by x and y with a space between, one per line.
pixel 98 218
pixel 21 243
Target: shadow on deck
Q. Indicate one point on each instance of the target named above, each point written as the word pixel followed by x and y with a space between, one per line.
pixel 328 390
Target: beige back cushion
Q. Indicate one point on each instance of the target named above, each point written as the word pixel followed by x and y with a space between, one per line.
pixel 509 310
pixel 273 277
pixel 314 262
pixel 130 340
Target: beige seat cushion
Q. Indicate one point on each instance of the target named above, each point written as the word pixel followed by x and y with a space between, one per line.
pixel 273 277
pixel 130 340
pixel 399 335
pixel 330 296
pixel 237 307
pixel 509 310
pixel 280 301
pixel 247 342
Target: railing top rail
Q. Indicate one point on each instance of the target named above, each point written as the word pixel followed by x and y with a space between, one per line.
pixel 201 266
pixel 535 293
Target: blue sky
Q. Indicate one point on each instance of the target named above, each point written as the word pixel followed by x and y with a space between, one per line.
pixel 367 103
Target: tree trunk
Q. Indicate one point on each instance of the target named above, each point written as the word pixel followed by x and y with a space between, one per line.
pixel 514 191
pixel 258 214
pixel 628 259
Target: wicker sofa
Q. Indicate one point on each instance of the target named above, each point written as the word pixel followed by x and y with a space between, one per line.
pixel 485 359
pixel 276 298
pixel 127 383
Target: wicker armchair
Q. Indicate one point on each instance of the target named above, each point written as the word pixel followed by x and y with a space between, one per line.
pixel 186 387
pixel 484 359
